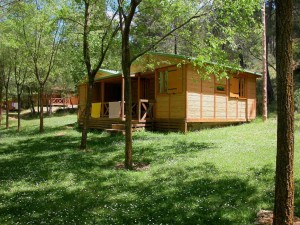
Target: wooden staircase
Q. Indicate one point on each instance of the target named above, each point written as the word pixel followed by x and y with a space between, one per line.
pixel 119 128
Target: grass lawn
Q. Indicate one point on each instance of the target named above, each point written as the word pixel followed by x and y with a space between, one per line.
pixel 217 176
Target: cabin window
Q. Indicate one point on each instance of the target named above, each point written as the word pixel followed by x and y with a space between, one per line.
pixel 163 82
pixel 242 87
pixel 220 85
pixel 237 87
pixel 170 80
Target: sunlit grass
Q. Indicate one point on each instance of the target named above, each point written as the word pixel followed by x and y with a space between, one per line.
pixel 214 176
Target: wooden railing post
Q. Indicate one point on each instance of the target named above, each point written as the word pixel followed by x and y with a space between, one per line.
pixel 139 109
pixel 139 98
pixel 122 101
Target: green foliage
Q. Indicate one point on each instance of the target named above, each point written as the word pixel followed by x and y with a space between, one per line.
pixel 155 19
pixel 224 32
pixel 231 29
pixel 216 176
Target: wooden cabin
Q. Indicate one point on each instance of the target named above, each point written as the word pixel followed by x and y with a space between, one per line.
pixel 169 94
pixel 58 97
pixel 12 104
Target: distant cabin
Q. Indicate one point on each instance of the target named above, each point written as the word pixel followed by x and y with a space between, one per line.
pixel 169 94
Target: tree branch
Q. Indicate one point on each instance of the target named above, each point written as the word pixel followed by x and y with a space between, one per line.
pixel 167 35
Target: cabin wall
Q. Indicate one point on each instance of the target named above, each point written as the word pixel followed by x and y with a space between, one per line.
pixel 205 103
pixel 251 95
pixel 82 96
pixel 96 97
pixel 147 89
pixel 208 100
pixel 171 105
pixel 193 93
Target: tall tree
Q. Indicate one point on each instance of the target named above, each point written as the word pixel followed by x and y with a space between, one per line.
pixel 284 182
pixel 1 86
pixel 93 10
pixel 20 73
pixel 264 61
pixel 7 78
pixel 43 34
pixel 125 25
pixel 127 12
pixel 269 31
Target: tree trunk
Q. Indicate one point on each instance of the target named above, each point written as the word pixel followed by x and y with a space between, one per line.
pixel 175 44
pixel 128 124
pixel 1 105
pixel 31 102
pixel 269 25
pixel 264 60
pixel 128 97
pixel 19 112
pixel 41 109
pixel 1 112
pixel 47 104
pixel 284 182
pixel 7 108
pixel 39 104
pixel 50 105
pixel 269 86
pixel 1 95
pixel 87 113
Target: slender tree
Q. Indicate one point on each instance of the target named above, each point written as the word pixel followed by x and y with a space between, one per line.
pixel 269 27
pixel 284 182
pixel 20 73
pixel 43 34
pixel 1 87
pixel 127 11
pixel 91 10
pixel 7 78
pixel 264 61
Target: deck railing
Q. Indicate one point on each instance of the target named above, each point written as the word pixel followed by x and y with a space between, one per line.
pixel 59 101
pixel 145 109
pixel 105 109
pixel 141 110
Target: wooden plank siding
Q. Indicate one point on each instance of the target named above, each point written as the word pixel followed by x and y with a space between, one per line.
pixel 251 98
pixel 232 109
pixel 171 105
pixel 82 94
pixel 181 99
pixel 208 105
pixel 220 106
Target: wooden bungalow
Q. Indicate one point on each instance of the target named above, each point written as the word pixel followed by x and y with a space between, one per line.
pixel 59 97
pixel 169 94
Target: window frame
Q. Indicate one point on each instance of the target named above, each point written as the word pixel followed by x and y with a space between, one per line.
pixel 242 85
pixel 219 83
pixel 164 80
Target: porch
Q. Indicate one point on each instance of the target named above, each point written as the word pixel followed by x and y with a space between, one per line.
pixel 142 111
pixel 108 103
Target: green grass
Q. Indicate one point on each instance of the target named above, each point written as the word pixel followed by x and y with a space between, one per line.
pixel 217 176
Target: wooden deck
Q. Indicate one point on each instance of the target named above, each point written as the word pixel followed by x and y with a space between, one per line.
pixel 115 125
pixel 70 101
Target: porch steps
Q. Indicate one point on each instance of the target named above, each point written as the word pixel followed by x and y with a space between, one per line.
pixel 120 127
pixel 115 126
pixel 115 131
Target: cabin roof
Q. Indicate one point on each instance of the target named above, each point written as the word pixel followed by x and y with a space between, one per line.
pixel 107 74
pixel 193 58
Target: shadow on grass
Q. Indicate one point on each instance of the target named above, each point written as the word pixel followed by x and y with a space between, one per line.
pixel 45 181
pixel 100 198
